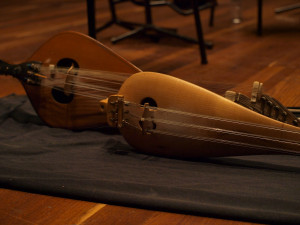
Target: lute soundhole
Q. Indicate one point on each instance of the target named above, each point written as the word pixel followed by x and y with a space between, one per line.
pixel 64 94
pixel 150 101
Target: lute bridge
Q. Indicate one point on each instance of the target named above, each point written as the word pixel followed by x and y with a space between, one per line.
pixel 117 111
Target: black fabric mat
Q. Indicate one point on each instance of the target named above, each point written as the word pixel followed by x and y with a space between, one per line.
pixel 100 166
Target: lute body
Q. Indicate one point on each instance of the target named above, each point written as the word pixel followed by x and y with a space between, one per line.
pixel 68 109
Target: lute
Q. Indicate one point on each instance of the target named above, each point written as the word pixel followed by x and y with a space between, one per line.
pixel 67 76
pixel 162 115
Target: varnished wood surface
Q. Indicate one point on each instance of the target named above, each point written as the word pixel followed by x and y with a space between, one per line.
pixel 26 208
pixel 239 57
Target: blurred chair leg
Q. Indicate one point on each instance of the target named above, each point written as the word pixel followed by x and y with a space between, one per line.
pixel 201 42
pixel 259 17
pixel 91 18
pixel 211 17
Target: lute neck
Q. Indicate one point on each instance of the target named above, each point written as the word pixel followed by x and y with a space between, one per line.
pixel 25 72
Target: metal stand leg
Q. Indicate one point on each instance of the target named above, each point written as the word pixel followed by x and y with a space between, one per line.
pixel 114 20
pixel 148 26
pixel 287 8
pixel 161 31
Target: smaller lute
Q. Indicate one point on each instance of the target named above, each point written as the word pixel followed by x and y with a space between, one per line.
pixel 162 115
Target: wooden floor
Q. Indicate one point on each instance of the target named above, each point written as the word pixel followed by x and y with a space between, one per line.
pixel 238 58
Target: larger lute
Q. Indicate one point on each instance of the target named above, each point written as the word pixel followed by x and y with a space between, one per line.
pixel 67 76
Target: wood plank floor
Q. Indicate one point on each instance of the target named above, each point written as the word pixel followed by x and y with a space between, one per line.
pixel 238 58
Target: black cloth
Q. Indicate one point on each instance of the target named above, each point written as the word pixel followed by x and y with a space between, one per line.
pixel 100 166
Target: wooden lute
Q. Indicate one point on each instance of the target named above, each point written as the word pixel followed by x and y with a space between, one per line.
pixel 162 115
pixel 73 72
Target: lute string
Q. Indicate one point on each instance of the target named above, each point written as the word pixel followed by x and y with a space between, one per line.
pixel 231 121
pixel 220 141
pixel 83 94
pixel 215 130
pixel 95 75
pixel 223 131
pixel 88 87
pixel 94 96
pixel 99 76
pixel 212 129
pixel 230 142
